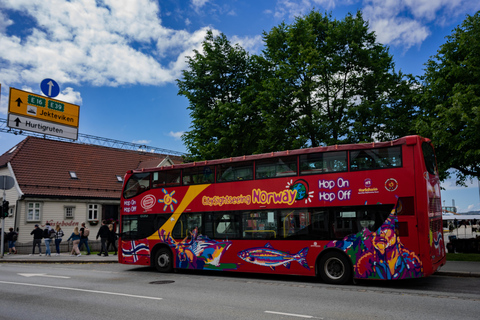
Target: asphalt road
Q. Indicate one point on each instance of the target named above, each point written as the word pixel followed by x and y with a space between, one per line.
pixel 114 291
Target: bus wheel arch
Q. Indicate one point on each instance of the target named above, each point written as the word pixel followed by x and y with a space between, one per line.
pixel 334 267
pixel 162 258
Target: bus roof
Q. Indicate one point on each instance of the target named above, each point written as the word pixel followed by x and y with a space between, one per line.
pixel 409 140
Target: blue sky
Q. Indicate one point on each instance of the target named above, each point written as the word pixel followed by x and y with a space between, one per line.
pixel 118 59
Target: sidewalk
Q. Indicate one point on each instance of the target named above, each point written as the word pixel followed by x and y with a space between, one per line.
pixel 452 268
pixel 62 258
pixel 460 269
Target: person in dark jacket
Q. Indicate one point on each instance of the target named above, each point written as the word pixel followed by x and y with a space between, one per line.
pixel 37 239
pixel 11 238
pixel 112 238
pixel 103 234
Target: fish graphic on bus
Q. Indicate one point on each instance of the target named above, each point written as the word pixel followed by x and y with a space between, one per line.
pixel 269 257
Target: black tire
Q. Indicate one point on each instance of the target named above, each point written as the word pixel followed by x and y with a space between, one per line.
pixel 335 268
pixel 163 260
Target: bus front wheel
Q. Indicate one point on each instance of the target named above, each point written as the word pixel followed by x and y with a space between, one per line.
pixel 163 260
pixel 335 268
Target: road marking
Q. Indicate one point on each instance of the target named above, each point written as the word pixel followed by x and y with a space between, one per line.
pixel 28 275
pixel 81 290
pixel 293 315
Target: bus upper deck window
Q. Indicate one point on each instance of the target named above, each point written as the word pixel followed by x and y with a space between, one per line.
pixel 276 167
pixel 136 184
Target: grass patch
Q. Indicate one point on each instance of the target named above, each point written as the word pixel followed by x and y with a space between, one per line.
pixel 463 257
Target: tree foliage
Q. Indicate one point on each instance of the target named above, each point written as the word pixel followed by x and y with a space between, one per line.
pixel 451 101
pixel 332 79
pixel 319 81
pixel 220 85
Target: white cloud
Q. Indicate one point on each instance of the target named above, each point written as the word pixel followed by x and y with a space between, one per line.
pixel 4 22
pixel 295 8
pixel 252 45
pixel 107 43
pixel 198 4
pixel 70 95
pixel 176 135
pixel 143 142
pixel 405 23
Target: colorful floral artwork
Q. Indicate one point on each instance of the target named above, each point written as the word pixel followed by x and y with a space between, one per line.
pixel 198 252
pixel 380 254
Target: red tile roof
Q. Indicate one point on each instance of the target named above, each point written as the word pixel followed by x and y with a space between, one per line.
pixel 42 167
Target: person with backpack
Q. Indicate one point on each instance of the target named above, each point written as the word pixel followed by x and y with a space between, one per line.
pixel 58 238
pixel 84 233
pixel 37 239
pixel 48 235
pixel 12 238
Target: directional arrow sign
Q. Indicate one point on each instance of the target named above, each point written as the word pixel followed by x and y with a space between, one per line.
pixel 40 126
pixel 28 275
pixel 19 102
pixel 43 108
pixel 49 87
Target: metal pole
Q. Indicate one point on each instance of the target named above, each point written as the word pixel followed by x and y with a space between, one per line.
pixel 3 216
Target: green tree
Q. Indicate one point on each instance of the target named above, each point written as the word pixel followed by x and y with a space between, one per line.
pixel 451 101
pixel 220 85
pixel 320 81
pixel 332 82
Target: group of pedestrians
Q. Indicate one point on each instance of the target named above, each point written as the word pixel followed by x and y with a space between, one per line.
pixel 108 237
pixel 79 238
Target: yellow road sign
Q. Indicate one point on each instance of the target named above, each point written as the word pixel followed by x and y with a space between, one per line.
pixel 40 107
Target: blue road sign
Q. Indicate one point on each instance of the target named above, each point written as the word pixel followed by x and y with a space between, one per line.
pixel 50 88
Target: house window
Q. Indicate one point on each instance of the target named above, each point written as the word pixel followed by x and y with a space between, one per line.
pixel 69 212
pixel 93 212
pixel 33 211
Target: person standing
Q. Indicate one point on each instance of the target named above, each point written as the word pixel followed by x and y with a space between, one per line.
pixel 12 238
pixel 48 232
pixel 103 234
pixel 112 238
pixel 84 233
pixel 75 237
pixel 58 238
pixel 37 239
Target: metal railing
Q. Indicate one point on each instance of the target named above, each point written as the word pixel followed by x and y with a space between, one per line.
pixel 93 140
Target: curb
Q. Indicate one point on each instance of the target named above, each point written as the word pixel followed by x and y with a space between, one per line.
pixel 57 261
pixel 458 274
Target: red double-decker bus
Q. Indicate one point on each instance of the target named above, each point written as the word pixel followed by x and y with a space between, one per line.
pixel 364 211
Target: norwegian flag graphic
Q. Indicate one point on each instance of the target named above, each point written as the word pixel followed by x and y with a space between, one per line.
pixel 136 251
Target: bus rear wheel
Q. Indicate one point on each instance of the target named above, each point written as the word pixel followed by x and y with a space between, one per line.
pixel 335 268
pixel 163 260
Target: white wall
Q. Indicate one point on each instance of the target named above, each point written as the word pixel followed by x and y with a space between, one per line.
pixel 53 211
